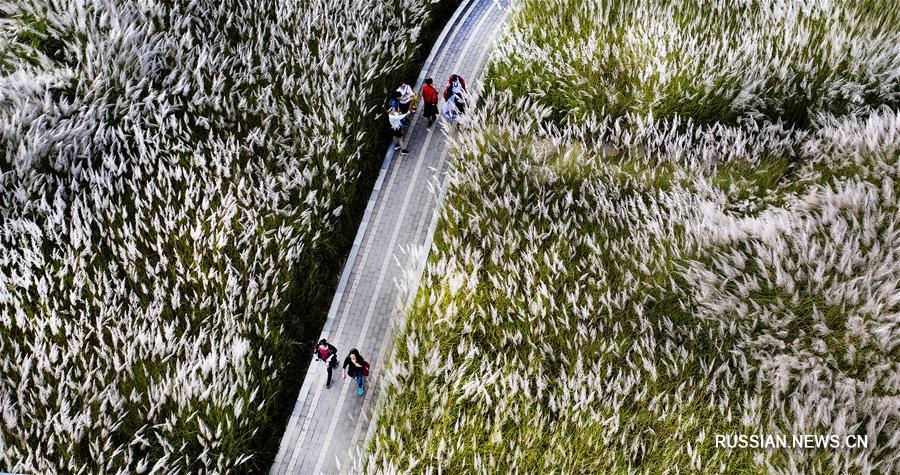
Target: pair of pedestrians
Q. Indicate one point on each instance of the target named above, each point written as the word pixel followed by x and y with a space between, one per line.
pixel 399 111
pixel 354 365
pixel 454 99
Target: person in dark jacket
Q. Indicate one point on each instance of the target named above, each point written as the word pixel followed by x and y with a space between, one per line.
pixel 328 353
pixel 356 367
pixel 430 97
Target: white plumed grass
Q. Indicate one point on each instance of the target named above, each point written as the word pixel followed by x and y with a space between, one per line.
pixel 170 173
pixel 710 60
pixel 611 288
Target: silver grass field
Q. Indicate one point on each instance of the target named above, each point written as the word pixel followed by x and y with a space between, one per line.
pixel 666 220
pixel 168 172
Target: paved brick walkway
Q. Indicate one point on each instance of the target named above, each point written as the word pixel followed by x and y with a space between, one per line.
pixel 328 427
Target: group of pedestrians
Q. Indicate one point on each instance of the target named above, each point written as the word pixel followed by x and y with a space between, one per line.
pixel 402 104
pixel 404 100
pixel 354 365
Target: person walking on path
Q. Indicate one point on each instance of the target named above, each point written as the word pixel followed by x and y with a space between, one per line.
pixel 430 98
pixel 356 367
pixel 451 109
pixel 406 97
pixel 456 85
pixel 398 126
pixel 328 353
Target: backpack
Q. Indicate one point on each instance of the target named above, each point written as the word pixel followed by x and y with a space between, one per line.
pixel 365 369
pixel 448 91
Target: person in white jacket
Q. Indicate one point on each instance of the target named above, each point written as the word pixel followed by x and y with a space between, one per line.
pixel 457 85
pixel 396 119
pixel 451 108
pixel 406 97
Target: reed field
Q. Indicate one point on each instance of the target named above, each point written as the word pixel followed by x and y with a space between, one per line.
pixel 709 60
pixel 633 259
pixel 170 175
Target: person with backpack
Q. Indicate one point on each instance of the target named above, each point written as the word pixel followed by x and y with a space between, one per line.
pixel 356 367
pixel 406 97
pixel 328 353
pixel 398 122
pixel 430 98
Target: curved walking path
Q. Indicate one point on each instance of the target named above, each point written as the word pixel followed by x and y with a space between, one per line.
pixel 328 427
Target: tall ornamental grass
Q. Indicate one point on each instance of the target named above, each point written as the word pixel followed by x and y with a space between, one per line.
pixel 609 289
pixel 611 309
pixel 170 173
pixel 710 60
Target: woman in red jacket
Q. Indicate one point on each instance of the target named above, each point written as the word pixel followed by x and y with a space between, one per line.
pixel 430 96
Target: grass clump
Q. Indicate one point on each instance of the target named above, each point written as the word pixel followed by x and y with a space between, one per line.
pixel 712 61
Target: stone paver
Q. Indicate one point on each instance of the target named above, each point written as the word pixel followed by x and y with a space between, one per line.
pixel 328 427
